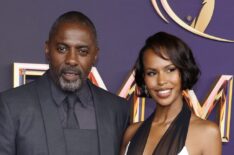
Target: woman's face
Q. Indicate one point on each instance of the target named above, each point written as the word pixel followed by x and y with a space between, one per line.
pixel 162 79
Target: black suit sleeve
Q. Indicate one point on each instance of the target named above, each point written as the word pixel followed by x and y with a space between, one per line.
pixel 7 130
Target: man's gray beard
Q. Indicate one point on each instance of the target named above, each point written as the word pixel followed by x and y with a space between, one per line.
pixel 70 86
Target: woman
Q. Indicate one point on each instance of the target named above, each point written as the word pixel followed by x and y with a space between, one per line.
pixel 164 68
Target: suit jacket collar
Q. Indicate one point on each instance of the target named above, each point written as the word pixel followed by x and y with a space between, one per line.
pixel 103 119
pixel 84 93
pixel 54 131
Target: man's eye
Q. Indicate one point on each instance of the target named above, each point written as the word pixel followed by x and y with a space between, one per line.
pixel 83 51
pixel 62 49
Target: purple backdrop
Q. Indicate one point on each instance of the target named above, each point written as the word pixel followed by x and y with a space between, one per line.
pixel 123 26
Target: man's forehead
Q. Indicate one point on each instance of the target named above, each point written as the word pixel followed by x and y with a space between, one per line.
pixel 72 28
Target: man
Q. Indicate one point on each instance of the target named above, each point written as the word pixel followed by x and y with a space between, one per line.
pixel 39 118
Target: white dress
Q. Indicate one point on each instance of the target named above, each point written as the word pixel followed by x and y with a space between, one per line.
pixel 184 151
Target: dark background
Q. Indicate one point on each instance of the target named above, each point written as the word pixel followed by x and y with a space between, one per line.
pixel 123 26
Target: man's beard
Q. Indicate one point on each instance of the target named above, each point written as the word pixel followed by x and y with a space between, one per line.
pixel 66 85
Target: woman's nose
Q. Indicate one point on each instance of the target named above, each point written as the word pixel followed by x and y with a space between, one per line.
pixel 162 80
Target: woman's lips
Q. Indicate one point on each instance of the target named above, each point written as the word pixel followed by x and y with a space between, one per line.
pixel 164 93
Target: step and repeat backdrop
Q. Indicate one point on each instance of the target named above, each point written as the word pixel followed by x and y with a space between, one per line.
pixel 122 27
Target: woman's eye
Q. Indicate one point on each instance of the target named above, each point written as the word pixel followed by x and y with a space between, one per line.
pixel 150 73
pixel 171 69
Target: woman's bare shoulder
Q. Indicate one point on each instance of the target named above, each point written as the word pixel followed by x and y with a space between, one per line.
pixel 205 134
pixel 204 127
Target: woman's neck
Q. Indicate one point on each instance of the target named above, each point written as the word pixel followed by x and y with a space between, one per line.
pixel 166 114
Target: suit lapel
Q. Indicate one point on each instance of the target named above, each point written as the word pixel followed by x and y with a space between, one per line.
pixel 102 118
pixel 53 128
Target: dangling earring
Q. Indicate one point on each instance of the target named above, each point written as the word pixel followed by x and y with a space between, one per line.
pixel 145 91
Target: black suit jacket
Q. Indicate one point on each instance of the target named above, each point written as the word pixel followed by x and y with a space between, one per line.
pixel 30 125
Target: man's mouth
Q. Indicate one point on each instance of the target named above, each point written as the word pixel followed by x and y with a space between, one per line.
pixel 70 75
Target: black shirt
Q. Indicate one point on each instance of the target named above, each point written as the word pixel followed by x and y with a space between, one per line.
pixel 84 108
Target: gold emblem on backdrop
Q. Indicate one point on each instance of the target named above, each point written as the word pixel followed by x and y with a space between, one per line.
pixel 220 95
pixel 198 25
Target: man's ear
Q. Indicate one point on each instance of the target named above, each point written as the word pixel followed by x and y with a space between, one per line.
pixel 96 56
pixel 46 49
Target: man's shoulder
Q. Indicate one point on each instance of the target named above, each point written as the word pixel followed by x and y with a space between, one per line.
pixel 23 90
pixel 18 90
pixel 25 87
pixel 109 99
pixel 17 98
pixel 106 94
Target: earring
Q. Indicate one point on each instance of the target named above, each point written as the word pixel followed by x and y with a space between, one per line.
pixel 145 91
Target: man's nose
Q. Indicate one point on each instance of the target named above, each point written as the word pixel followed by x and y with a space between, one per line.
pixel 71 58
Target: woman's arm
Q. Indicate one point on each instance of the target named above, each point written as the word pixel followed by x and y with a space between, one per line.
pixel 212 140
pixel 129 133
